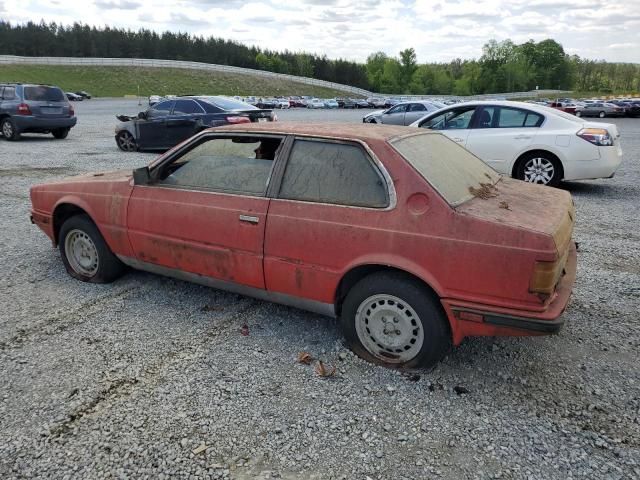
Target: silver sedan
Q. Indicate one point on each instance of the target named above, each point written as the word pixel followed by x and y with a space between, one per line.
pixel 404 113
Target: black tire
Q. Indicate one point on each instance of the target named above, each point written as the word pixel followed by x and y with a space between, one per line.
pixel 9 130
pixel 108 266
pixel 431 317
pixel 558 172
pixel 61 133
pixel 602 114
pixel 578 114
pixel 126 142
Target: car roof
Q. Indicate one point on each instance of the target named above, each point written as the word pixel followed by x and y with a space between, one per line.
pixel 542 109
pixel 343 131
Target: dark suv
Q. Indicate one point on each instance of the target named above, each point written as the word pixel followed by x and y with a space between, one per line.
pixel 34 109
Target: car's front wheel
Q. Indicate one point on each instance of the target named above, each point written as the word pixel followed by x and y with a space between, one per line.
pixel 61 133
pixel 126 142
pixel 578 114
pixel 390 319
pixel 601 114
pixel 9 129
pixel 539 167
pixel 85 254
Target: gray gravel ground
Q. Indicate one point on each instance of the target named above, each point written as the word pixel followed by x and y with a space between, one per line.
pixel 127 380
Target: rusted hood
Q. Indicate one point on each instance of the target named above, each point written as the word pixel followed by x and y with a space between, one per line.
pixel 527 206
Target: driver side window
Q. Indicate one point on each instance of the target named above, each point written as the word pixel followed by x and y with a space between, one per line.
pixel 233 165
pixel 397 109
pixel 161 109
pixel 457 119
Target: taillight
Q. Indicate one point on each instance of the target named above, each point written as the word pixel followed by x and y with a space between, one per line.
pixel 23 109
pixel 238 120
pixel 72 112
pixel 597 136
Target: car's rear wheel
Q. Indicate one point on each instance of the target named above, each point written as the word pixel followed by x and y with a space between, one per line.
pixel 9 129
pixel 126 142
pixel 85 254
pixel 602 114
pixel 61 133
pixel 539 167
pixel 390 319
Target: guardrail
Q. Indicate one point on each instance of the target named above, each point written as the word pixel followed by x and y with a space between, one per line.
pixel 156 63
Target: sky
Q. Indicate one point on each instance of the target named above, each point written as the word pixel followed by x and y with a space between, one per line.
pixel 439 30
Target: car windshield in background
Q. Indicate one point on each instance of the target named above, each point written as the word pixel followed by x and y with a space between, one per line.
pixel 453 171
pixel 228 103
pixel 43 94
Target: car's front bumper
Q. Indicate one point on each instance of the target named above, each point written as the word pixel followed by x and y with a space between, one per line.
pixel 469 319
pixel 26 123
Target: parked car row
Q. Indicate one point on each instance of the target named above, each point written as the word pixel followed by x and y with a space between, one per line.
pixel 534 143
pixel 629 107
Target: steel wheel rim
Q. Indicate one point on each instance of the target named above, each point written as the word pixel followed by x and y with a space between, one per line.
pixel 539 170
pixel 126 142
pixel 7 129
pixel 81 252
pixel 389 328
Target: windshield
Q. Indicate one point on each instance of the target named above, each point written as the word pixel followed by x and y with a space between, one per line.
pixel 453 171
pixel 43 94
pixel 228 103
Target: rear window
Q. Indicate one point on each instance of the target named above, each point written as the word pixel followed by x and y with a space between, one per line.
pixel 453 171
pixel 41 93
pixel 228 103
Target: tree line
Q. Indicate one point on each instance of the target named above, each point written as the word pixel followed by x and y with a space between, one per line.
pixel 503 67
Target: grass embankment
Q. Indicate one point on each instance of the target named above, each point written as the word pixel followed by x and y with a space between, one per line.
pixel 120 81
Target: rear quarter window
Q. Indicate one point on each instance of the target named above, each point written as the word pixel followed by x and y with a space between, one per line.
pixel 334 173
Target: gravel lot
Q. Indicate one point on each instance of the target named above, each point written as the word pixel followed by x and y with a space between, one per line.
pixel 127 380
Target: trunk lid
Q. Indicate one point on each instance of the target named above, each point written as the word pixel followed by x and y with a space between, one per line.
pixel 527 206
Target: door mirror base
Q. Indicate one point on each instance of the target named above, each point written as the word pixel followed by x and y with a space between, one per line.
pixel 141 176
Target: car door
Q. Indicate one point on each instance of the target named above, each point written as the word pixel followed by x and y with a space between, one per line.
pixel 182 122
pixel 414 112
pixel 394 115
pixel 205 209
pixel 501 134
pixel 331 197
pixel 455 123
pixel 151 130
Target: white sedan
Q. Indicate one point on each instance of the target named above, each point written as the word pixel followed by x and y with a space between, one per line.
pixel 530 142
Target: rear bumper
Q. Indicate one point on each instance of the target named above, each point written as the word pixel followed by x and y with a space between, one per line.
pixel 603 167
pixel 26 123
pixel 468 319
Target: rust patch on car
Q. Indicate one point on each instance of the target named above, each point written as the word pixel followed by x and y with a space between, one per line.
pixel 485 191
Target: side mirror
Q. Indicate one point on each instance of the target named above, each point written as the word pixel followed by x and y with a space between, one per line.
pixel 142 115
pixel 141 176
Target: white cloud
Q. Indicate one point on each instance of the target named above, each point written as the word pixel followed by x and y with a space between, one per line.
pixel 439 30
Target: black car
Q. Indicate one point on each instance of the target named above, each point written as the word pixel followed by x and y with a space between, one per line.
pixel 84 94
pixel 26 108
pixel 631 107
pixel 170 122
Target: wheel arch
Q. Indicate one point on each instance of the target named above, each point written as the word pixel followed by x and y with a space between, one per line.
pixel 532 151
pixel 357 273
pixel 62 212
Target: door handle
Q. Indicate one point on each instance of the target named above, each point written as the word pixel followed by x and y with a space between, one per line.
pixel 522 137
pixel 249 219
pixel 456 139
